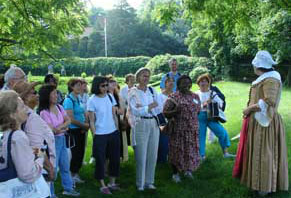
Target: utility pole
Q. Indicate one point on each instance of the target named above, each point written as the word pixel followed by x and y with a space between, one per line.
pixel 105 35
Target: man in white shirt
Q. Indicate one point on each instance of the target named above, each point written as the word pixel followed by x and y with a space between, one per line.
pixel 13 75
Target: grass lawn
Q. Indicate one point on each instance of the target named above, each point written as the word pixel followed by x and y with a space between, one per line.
pixel 212 180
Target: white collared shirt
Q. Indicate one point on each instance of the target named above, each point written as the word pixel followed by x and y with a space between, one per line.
pixel 146 98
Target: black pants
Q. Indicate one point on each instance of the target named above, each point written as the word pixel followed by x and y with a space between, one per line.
pixel 128 129
pixel 174 168
pixel 106 144
pixel 78 151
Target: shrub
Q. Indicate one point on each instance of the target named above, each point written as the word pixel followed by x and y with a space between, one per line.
pixel 91 66
pixel 155 78
pixel 57 76
pixel 196 72
pixel 29 76
pixel 83 75
pixel 159 63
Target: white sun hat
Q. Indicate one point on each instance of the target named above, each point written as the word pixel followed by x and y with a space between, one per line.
pixel 263 59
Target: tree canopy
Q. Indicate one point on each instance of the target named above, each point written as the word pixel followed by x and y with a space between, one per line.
pixel 38 27
pixel 129 33
pixel 232 31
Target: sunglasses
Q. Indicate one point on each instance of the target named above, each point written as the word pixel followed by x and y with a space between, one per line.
pixel 104 85
pixel 52 80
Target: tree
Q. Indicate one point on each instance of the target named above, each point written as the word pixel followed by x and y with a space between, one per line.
pixel 127 35
pixel 36 27
pixel 231 31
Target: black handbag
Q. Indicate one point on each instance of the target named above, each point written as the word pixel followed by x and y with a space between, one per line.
pixel 161 119
pixel 214 113
pixel 70 139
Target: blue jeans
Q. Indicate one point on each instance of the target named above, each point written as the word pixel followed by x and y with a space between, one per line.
pixel 216 128
pixel 62 163
pixel 163 148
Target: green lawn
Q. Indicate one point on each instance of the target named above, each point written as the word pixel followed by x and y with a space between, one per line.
pixel 212 180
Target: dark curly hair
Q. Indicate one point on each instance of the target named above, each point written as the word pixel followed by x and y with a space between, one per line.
pixel 183 77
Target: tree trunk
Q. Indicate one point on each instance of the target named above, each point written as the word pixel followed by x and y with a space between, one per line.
pixel 288 78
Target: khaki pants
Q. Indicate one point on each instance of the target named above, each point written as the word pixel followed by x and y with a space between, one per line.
pixel 146 149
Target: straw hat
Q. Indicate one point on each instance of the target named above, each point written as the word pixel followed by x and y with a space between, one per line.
pixel 24 88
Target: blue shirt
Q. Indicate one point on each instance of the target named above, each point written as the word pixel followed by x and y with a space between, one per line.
pixel 73 103
pixel 170 74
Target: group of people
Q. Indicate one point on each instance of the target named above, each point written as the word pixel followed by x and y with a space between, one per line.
pixel 50 131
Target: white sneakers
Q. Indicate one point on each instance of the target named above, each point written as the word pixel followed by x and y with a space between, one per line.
pixel 92 160
pixel 176 178
pixel 76 178
pixel 72 193
pixel 149 186
pixel 228 155
pixel 188 174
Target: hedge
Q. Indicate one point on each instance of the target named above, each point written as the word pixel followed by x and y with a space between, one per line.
pixel 90 66
pixel 159 64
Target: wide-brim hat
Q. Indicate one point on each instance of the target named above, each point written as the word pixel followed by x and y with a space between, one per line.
pixel 263 59
pixel 24 88
pixel 140 71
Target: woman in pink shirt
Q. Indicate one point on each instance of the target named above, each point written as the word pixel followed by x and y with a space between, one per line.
pixel 58 121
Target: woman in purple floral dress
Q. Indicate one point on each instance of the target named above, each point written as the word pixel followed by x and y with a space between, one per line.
pixel 183 106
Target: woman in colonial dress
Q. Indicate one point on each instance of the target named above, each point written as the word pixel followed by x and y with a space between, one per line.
pixel 183 106
pixel 262 163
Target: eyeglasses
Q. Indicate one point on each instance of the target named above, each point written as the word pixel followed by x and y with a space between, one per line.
pixel 104 85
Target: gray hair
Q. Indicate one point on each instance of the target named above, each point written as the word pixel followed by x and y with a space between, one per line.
pixel 11 72
pixel 141 70
pixel 172 60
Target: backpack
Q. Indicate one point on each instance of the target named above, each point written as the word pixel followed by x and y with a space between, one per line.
pixel 9 172
pixel 68 96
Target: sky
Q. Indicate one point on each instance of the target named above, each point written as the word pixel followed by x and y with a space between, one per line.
pixel 108 4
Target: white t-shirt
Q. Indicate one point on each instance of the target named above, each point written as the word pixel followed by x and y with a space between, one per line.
pixel 102 107
pixel 161 101
pixel 124 94
pixel 204 96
